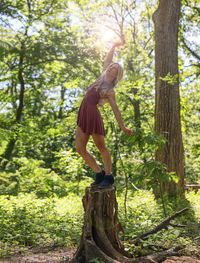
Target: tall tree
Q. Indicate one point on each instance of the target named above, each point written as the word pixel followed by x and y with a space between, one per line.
pixel 167 101
pixel 40 51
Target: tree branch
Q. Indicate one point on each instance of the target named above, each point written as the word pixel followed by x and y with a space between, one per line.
pixel 162 225
pixel 190 50
pixel 46 61
pixel 159 256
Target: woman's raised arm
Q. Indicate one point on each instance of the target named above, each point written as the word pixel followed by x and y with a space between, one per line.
pixel 109 57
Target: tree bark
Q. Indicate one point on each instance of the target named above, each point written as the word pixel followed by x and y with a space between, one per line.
pixel 167 98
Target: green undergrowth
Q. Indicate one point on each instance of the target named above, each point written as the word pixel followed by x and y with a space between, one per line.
pixel 26 220
pixel 144 213
pixel 29 221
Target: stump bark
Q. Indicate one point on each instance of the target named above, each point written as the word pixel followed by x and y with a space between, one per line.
pixel 100 231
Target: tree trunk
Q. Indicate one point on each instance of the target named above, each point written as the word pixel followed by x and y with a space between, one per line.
pixel 99 240
pixel 167 102
pixel 11 144
pixel 134 102
pixel 115 156
pixel 62 98
pixel 136 105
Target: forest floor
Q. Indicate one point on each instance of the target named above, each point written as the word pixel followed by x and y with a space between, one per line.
pixel 49 256
pixel 64 254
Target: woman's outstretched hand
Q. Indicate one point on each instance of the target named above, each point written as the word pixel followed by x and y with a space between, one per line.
pixel 127 131
pixel 120 43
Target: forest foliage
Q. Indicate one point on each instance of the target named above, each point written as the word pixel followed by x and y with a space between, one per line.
pixel 50 52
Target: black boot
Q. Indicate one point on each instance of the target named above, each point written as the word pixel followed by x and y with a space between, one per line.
pixel 99 178
pixel 108 180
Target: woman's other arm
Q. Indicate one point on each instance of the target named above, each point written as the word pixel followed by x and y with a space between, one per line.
pixel 117 113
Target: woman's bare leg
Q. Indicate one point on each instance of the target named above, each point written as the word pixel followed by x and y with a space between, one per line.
pixel 100 143
pixel 81 143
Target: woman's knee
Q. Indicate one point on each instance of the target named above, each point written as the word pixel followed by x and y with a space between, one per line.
pixel 81 150
pixel 99 142
pixel 102 148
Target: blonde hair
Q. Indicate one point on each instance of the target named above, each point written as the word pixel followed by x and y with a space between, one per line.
pixel 119 73
pixel 98 83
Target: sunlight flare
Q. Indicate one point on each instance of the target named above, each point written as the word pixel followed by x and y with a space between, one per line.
pixel 105 35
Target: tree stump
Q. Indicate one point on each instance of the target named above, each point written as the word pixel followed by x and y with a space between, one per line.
pixel 100 231
pixel 101 227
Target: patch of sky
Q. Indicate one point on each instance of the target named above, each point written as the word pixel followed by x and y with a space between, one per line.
pixel 18 25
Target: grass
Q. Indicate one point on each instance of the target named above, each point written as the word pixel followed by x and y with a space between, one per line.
pixel 26 220
pixel 194 199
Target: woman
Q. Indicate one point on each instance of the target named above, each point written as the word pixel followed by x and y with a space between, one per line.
pixel 90 121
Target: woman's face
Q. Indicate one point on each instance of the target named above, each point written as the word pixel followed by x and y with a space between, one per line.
pixel 112 72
